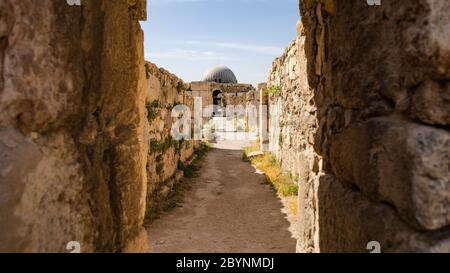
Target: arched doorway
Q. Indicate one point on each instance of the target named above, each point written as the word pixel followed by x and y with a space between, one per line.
pixel 217 102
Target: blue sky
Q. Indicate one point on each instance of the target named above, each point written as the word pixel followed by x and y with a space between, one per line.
pixel 187 37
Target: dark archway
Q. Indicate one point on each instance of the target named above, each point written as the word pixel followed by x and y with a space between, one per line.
pixel 217 102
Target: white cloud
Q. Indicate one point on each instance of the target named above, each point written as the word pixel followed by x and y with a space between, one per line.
pixel 261 49
pixel 186 55
pixel 187 1
pixel 165 2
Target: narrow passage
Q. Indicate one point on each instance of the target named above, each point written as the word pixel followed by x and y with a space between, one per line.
pixel 230 208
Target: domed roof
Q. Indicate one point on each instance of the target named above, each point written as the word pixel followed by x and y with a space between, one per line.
pixel 220 74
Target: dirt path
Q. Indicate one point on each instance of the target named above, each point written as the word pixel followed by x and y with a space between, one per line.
pixel 229 209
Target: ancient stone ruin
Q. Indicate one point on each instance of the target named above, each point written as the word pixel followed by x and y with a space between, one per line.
pixel 363 115
pixel 358 111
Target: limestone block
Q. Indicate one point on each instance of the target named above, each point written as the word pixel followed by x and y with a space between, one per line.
pixel 40 82
pixel 407 40
pixel 42 184
pixel 402 163
pixel 428 39
pixel 347 222
pixel 431 103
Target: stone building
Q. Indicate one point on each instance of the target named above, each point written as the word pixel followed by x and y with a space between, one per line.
pixel 219 87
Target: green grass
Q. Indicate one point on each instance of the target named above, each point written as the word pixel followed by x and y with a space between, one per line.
pixel 157 147
pixel 152 110
pixel 274 91
pixel 181 87
pixel 156 205
pixel 190 171
pixel 283 182
pixel 255 147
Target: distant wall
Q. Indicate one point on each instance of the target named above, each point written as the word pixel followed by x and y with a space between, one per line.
pixel 233 94
pixel 293 125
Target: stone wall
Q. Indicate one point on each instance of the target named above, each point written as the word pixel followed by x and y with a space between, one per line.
pixel 72 104
pixel 381 79
pixel 165 155
pixel 368 134
pixel 292 126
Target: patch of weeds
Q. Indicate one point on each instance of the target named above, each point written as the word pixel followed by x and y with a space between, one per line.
pixel 283 182
pixel 273 91
pixel 180 87
pixel 292 205
pixel 157 147
pixel 190 171
pixel 157 204
pixel 250 149
pixel 154 146
pixel 152 110
pixel 202 150
pixel 286 185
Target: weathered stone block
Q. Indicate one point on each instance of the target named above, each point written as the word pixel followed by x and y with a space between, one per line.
pixel 431 103
pixel 368 53
pixel 348 221
pixel 402 163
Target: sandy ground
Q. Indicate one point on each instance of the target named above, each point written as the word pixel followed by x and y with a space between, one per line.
pixel 229 209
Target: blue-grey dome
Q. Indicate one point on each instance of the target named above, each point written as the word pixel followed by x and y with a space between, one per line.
pixel 220 74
